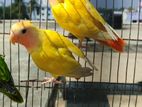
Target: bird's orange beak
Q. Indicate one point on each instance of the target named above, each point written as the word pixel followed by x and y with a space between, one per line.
pixel 13 38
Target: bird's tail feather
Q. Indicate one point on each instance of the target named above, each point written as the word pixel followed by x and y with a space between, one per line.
pixel 91 64
pixel 111 39
pixel 117 45
pixel 80 72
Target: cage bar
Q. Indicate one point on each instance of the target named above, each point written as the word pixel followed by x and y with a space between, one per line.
pixel 118 75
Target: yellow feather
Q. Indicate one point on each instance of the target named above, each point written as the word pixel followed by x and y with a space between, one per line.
pixel 81 19
pixel 53 53
pixel 93 11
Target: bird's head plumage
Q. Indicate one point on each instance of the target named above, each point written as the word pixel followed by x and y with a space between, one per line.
pixel 24 33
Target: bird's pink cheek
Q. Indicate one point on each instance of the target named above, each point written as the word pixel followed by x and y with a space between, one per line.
pixel 24 40
pixel 19 39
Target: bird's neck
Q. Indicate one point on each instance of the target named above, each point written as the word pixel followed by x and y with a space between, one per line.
pixel 32 48
pixel 32 45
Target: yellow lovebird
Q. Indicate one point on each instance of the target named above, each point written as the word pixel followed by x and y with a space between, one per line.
pixel 81 19
pixel 50 51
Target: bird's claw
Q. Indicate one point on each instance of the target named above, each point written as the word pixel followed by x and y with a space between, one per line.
pixel 44 81
pixel 50 80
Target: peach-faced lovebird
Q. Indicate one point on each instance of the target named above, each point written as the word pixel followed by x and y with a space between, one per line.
pixel 50 51
pixel 81 19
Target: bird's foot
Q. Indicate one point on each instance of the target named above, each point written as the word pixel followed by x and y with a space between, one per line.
pixel 45 80
pixel 50 80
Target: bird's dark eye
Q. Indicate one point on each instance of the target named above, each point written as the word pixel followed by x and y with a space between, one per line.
pixel 24 31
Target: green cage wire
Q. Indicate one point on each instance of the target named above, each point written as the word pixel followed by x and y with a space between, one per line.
pixel 118 75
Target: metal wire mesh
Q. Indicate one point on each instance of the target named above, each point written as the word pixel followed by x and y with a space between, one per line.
pixel 113 67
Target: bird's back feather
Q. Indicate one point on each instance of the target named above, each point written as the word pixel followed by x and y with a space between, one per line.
pixel 55 55
pixel 83 20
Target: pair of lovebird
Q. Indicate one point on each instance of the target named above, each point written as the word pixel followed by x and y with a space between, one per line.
pixel 52 52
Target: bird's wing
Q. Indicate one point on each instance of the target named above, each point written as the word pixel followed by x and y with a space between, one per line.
pixel 60 41
pixel 5 74
pixel 94 13
pixel 105 27
pixel 66 46
pixel 7 84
